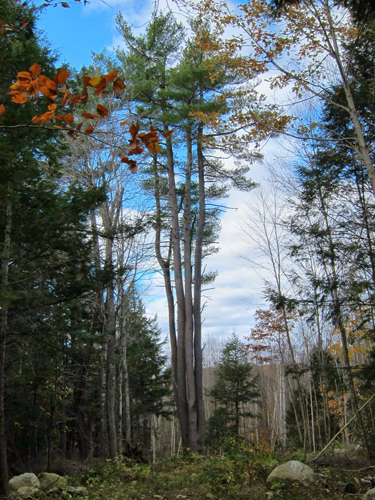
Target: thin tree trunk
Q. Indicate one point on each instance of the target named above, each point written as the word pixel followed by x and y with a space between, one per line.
pixel 165 267
pixel 198 293
pixel 103 451
pixel 340 324
pixel 4 480
pixel 181 401
pixel 189 326
pixel 363 149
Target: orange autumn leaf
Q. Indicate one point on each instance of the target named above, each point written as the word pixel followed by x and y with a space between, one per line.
pixel 2 109
pixel 19 98
pixel 35 70
pixel 69 119
pixel 102 110
pixel 16 86
pixel 167 134
pixel 86 81
pixel 79 126
pixel 61 76
pixel 118 85
pixel 123 123
pixel 46 82
pixel 23 75
pixel 66 98
pixel 76 99
pixel 111 76
pixel 44 118
pixel 154 148
pixel 47 92
pixel 100 88
pixel 134 129
pixel 132 164
pixel 65 5
pixel 52 107
pixel 89 130
pixel 89 116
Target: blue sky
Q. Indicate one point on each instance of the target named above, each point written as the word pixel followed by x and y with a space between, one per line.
pixel 79 30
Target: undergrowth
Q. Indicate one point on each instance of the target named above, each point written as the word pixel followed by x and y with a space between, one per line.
pixel 237 472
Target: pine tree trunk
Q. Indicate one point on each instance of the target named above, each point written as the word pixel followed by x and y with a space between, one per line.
pixel 189 326
pixel 198 294
pixel 181 400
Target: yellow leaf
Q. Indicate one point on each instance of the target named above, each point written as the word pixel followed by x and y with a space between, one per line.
pixel 95 81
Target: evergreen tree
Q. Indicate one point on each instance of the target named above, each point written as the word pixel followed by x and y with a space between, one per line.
pixel 45 258
pixel 234 387
pixel 184 86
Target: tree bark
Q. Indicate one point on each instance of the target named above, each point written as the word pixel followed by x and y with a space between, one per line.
pixel 198 292
pixel 181 401
pixel 4 479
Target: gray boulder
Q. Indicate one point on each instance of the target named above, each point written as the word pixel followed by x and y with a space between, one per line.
pixel 24 492
pixel 49 480
pixel 292 472
pixel 27 480
pixel 78 490
pixel 369 495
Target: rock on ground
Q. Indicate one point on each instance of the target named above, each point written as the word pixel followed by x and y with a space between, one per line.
pixel 369 495
pixel 27 480
pixel 50 480
pixel 293 472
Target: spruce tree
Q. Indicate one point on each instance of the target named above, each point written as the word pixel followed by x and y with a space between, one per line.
pixel 234 387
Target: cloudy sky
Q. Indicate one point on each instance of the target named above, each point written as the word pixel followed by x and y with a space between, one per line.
pixel 236 293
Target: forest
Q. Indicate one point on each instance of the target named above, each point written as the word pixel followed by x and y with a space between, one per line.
pixel 118 174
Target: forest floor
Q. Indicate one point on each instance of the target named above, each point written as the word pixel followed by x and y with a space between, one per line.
pixel 235 475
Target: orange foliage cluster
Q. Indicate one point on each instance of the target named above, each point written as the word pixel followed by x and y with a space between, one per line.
pixel 149 139
pixel 32 84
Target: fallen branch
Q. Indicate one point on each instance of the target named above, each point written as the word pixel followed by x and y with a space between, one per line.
pixel 341 430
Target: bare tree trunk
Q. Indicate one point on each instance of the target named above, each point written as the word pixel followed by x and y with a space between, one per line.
pixel 363 149
pixel 103 451
pixel 189 326
pixel 111 371
pixel 181 401
pixel 4 481
pixel 198 293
